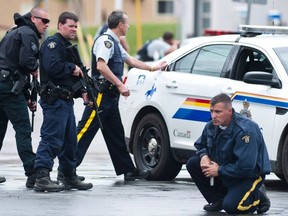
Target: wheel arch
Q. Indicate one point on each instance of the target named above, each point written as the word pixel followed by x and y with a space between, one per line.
pixel 144 111
pixel 277 166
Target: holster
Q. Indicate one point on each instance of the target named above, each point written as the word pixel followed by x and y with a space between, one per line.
pixel 50 93
pixel 19 82
pixel 106 87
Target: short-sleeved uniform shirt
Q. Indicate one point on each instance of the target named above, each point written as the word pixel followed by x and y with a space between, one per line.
pixel 104 47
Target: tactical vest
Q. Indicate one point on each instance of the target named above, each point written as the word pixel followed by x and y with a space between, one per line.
pixel 115 63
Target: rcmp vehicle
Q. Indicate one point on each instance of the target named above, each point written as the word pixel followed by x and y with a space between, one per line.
pixel 167 110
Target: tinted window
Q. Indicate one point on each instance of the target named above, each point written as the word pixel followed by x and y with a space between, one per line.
pixel 282 53
pixel 186 63
pixel 211 59
pixel 251 60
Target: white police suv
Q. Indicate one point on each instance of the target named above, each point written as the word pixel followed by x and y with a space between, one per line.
pixel 167 110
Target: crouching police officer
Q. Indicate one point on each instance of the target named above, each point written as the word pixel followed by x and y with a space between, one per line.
pixel 18 59
pixel 58 76
pixel 231 162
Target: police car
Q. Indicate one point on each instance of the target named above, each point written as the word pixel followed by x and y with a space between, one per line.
pixel 167 110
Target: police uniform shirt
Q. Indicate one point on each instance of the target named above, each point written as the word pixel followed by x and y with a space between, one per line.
pixel 104 47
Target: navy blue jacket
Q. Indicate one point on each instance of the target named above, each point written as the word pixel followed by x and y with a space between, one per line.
pixel 239 150
pixel 54 62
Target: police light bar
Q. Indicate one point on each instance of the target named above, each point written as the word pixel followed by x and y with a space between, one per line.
pixel 264 29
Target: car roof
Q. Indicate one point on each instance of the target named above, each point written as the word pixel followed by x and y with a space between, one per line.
pixel 265 41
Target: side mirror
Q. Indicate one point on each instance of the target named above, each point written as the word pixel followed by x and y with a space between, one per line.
pixel 263 78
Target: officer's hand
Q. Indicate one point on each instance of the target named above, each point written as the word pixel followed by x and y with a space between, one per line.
pixel 205 161
pixel 211 169
pixel 124 91
pixel 32 105
pixel 35 73
pixel 77 72
pixel 160 65
pixel 86 100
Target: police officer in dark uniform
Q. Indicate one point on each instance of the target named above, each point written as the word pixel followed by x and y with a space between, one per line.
pixel 231 162
pixel 108 57
pixel 18 59
pixel 58 76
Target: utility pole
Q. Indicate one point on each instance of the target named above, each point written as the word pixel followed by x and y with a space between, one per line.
pixel 249 3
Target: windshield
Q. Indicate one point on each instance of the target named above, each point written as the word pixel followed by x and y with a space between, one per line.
pixel 282 53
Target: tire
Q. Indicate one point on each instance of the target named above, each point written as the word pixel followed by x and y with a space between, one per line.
pixel 285 160
pixel 151 148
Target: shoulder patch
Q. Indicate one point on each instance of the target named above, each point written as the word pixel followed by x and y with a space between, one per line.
pixel 52 45
pixel 108 44
pixel 246 139
pixel 34 47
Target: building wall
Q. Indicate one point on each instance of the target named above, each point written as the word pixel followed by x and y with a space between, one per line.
pixel 222 15
pixel 236 15
pixel 89 11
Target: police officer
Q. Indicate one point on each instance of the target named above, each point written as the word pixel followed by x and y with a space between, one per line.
pixel 108 57
pixel 18 59
pixel 58 76
pixel 231 162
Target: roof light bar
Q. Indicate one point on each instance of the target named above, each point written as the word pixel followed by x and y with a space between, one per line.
pixel 264 29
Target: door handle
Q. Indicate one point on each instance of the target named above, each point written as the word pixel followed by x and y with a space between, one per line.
pixel 228 91
pixel 172 84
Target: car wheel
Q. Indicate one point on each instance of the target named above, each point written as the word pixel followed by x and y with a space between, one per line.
pixel 285 160
pixel 151 148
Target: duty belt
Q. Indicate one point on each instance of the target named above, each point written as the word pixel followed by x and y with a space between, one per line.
pixel 66 95
pixel 4 75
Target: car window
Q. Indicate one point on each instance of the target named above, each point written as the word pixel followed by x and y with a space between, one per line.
pixel 251 60
pixel 186 63
pixel 208 60
pixel 211 59
pixel 282 53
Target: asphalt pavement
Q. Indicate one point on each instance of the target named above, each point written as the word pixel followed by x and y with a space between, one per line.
pixel 111 195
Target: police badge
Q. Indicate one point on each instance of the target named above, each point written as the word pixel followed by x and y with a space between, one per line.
pixel 108 44
pixel 246 139
pixel 52 45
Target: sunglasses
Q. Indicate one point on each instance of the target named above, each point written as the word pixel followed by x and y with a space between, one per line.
pixel 44 20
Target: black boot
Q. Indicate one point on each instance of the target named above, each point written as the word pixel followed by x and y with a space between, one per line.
pixel 60 177
pixel 136 174
pixel 2 179
pixel 213 207
pixel 265 203
pixel 31 180
pixel 75 183
pixel 44 183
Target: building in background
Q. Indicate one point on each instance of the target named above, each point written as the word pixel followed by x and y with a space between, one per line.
pixel 193 16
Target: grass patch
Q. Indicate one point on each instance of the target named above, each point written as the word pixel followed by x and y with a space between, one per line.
pixel 149 31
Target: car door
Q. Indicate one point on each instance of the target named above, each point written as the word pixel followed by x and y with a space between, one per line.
pixel 256 101
pixel 190 82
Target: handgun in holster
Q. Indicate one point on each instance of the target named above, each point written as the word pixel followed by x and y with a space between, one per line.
pixel 19 82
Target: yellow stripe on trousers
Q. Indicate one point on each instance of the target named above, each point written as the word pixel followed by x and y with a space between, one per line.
pixel 90 119
pixel 255 203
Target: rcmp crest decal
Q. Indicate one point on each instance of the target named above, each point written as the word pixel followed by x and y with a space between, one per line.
pixel 246 139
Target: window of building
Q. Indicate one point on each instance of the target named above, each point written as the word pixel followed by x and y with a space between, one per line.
pixel 165 7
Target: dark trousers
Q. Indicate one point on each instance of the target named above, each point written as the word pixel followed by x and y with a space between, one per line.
pixel 113 133
pixel 239 196
pixel 58 137
pixel 14 109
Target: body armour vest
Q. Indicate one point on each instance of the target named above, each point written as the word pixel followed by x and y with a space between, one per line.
pixel 115 63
